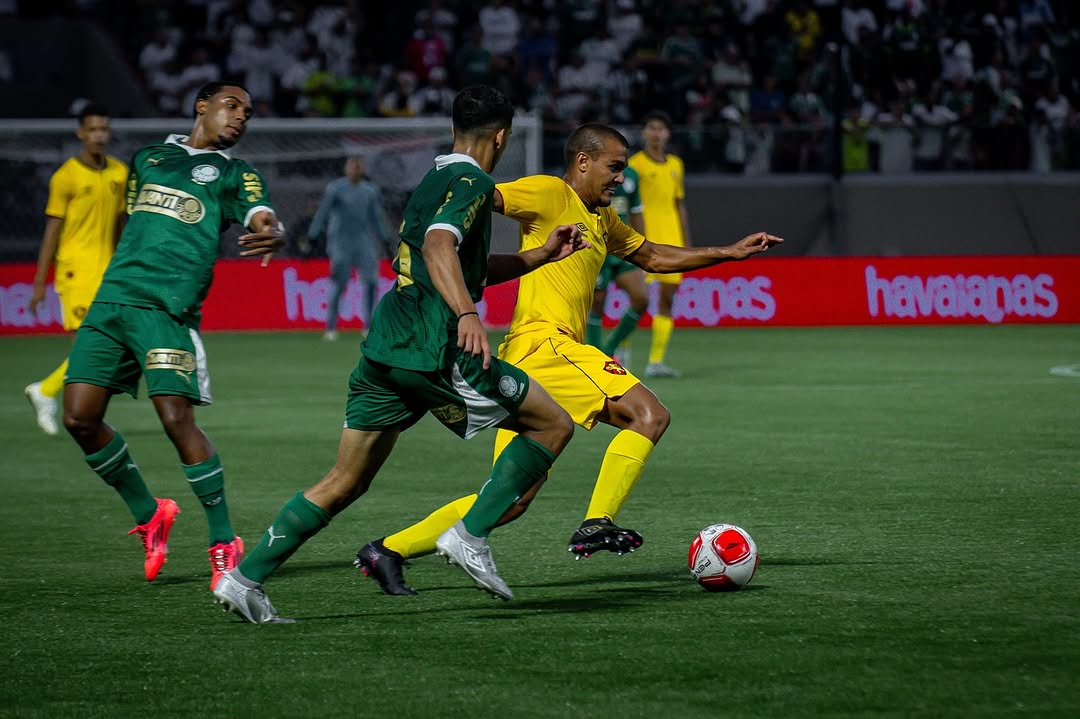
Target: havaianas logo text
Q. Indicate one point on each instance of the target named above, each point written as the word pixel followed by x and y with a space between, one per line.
pixel 166 201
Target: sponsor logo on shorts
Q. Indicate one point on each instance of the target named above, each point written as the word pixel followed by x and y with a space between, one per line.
pixel 201 174
pixel 508 386
pixel 449 414
pixel 163 200
pixel 613 367
pixel 181 361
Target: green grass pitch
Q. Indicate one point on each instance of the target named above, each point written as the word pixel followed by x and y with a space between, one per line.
pixel 913 492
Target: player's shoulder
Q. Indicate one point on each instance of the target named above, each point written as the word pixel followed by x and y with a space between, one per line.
pixel 537 183
pixel 67 168
pixel 466 173
pixel 675 161
pixel 637 158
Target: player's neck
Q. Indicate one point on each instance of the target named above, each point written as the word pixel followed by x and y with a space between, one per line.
pixel 657 154
pixel 95 160
pixel 199 141
pixel 590 205
pixel 484 154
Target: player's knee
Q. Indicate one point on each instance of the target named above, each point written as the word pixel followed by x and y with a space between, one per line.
pixel 639 303
pixel 653 420
pixel 562 430
pixel 80 424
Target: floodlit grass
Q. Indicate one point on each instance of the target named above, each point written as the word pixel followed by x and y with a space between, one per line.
pixel 913 492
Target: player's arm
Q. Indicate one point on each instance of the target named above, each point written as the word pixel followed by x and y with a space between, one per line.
pixel 637 221
pixel 266 236
pixel 684 220
pixel 50 240
pixel 444 267
pixel 563 241
pixel 653 257
pixel 316 227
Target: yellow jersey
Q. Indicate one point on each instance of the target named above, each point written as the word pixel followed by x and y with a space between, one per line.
pixel 557 296
pixel 661 185
pixel 89 202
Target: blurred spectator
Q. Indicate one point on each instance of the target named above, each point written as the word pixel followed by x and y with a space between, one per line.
pixel 426 50
pixel 855 18
pixel 731 75
pixel 435 99
pixel 199 71
pixel 359 90
pixel 932 119
pixel 768 103
pixel 443 21
pixel 165 83
pixel 321 91
pixel 624 24
pixel 260 66
pixel 537 50
pixel 1054 117
pixel 292 99
pixel 157 53
pixel 338 44
pixel 806 25
pixel 500 24
pixel 1035 14
pixel 473 60
pixel 401 100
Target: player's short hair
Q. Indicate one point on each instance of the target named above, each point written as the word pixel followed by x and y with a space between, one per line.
pixel 590 138
pixel 210 89
pixel 92 110
pixel 657 115
pixel 481 107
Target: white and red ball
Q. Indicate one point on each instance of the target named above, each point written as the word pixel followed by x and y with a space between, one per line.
pixel 723 558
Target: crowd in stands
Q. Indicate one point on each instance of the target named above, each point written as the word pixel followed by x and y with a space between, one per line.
pixel 752 84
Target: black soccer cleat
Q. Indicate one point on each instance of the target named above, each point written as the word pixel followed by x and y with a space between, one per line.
pixel 595 535
pixel 384 566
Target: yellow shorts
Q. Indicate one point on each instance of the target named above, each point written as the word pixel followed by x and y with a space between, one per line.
pixel 580 378
pixel 664 279
pixel 75 301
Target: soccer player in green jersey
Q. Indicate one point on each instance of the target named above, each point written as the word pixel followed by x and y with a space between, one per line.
pixel 427 351
pixel 144 320
pixel 626 276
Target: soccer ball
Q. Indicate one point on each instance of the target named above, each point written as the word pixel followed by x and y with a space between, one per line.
pixel 723 558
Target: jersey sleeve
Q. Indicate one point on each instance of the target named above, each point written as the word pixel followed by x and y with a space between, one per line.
pixel 121 197
pixel 622 239
pixel 59 193
pixel 464 199
pixel 249 195
pixel 528 198
pixel 679 173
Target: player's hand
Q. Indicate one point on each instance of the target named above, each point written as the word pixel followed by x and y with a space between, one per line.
pixel 754 244
pixel 36 298
pixel 264 242
pixel 473 338
pixel 564 241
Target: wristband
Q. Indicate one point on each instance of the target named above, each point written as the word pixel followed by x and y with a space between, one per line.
pixel 466 314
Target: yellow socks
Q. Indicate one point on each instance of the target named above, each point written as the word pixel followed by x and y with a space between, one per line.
pixel 623 463
pixel 661 336
pixel 419 539
pixel 51 385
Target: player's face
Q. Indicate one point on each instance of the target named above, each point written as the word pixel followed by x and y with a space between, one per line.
pixel 226 114
pixel 94 133
pixel 656 134
pixel 354 169
pixel 604 174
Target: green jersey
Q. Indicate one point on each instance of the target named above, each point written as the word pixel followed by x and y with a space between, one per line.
pixel 179 200
pixel 627 197
pixel 412 326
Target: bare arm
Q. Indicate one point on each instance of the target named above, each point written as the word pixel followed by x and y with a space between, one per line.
pixel 637 221
pixel 653 257
pixel 265 237
pixel 50 240
pixel 444 267
pixel 563 241
pixel 684 220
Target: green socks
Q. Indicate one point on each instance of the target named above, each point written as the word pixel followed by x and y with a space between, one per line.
pixel 207 480
pixel 521 465
pixel 114 465
pixel 298 521
pixel 594 330
pixel 627 324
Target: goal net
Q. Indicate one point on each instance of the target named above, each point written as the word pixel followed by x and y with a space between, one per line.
pixel 298 157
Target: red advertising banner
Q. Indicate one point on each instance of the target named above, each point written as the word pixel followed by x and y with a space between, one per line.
pixel 292 294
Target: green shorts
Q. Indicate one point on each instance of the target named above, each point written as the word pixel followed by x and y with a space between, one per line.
pixel 465 397
pixel 613 267
pixel 117 344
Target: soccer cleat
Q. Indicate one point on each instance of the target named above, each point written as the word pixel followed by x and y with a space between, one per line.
pixel 155 536
pixel 224 557
pixel 44 408
pixel 622 356
pixel 595 535
pixel 250 602
pixel 659 369
pixel 474 556
pixel 330 336
pixel 384 566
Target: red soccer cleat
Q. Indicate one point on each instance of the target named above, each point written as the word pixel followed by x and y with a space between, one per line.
pixel 155 536
pixel 223 558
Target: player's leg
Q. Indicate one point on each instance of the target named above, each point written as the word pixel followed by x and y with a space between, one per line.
pixel 100 365
pixel 370 276
pixel 74 303
pixel 633 283
pixel 340 273
pixel 360 455
pixel 663 324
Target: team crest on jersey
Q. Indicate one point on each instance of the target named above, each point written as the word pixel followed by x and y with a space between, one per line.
pixel 508 386
pixel 613 367
pixel 202 174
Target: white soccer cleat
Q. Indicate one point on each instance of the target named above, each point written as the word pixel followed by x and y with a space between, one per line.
pixel 659 369
pixel 44 407
pixel 330 336
pixel 474 556
pixel 249 602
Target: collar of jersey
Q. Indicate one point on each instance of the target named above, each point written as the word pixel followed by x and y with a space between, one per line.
pixel 180 139
pixel 443 160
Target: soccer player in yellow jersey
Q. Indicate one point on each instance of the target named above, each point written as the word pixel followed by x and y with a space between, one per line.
pixel 547 340
pixel 660 176
pixel 83 222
